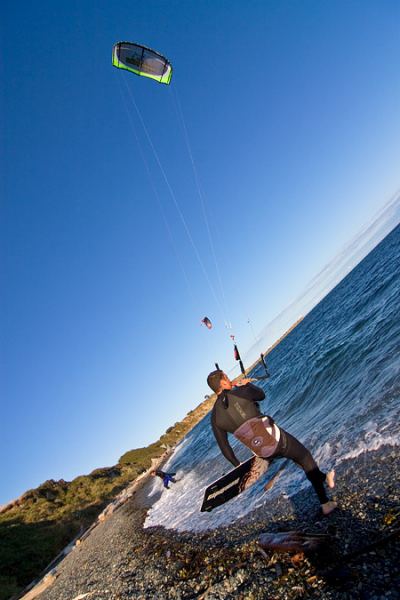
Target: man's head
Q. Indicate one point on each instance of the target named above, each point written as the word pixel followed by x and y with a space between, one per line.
pixel 218 381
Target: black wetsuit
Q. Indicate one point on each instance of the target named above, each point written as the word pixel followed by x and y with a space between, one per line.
pixel 234 407
pixel 230 411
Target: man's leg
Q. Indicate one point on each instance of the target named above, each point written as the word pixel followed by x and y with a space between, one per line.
pixel 290 447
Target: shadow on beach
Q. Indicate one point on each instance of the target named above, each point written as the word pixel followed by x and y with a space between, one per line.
pixel 358 548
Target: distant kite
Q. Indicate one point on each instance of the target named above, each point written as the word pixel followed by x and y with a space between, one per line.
pixel 142 61
pixel 206 321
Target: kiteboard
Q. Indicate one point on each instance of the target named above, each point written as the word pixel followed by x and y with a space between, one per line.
pixel 237 481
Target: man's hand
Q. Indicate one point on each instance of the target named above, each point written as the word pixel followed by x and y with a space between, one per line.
pixel 244 381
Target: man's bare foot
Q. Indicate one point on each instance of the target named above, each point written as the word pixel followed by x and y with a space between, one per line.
pixel 330 478
pixel 328 507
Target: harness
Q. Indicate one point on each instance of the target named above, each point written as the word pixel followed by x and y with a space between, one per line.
pixel 254 434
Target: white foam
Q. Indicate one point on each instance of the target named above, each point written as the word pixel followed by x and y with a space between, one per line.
pixel 179 507
pixel 372 442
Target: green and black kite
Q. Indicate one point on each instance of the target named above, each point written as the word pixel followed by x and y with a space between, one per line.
pixel 142 61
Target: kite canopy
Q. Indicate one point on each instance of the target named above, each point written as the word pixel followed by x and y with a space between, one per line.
pixel 206 321
pixel 142 61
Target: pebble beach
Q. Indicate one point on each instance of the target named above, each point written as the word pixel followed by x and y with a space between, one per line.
pixel 121 560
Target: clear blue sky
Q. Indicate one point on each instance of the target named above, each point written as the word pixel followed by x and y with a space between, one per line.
pixel 292 112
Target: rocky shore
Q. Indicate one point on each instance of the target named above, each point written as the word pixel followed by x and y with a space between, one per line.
pixel 121 560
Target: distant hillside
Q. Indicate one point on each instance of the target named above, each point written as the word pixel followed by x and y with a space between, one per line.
pixel 38 525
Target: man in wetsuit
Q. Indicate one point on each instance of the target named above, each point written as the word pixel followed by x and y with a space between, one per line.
pixel 236 411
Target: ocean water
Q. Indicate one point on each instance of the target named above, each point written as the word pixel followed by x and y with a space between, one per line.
pixel 335 385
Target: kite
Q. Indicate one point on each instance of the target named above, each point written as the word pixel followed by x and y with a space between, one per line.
pixel 206 321
pixel 142 61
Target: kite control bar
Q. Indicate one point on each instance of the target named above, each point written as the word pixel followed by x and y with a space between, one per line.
pixel 243 370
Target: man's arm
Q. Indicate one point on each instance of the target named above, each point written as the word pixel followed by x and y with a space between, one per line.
pixel 222 440
pixel 251 391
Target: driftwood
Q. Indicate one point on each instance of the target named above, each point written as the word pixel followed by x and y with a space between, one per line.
pixel 292 541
